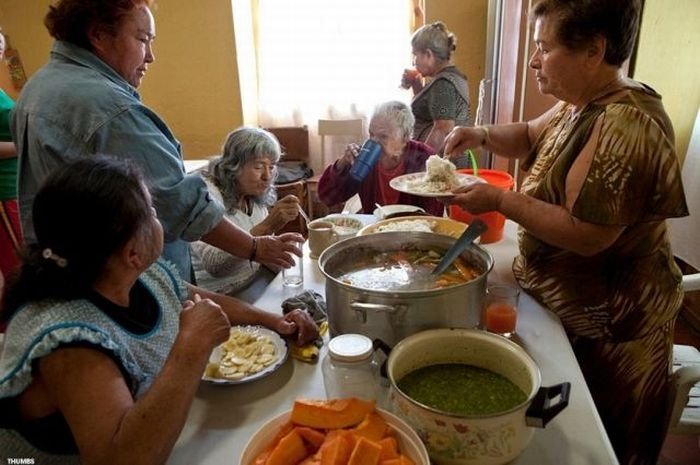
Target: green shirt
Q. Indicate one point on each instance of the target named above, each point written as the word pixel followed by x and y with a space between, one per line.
pixel 8 166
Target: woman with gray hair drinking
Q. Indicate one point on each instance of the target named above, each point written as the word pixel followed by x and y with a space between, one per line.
pixel 242 179
pixel 391 126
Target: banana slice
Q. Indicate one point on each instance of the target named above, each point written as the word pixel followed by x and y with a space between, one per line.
pixel 243 354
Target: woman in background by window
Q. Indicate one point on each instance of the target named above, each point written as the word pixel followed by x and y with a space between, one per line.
pixel 443 102
pixel 10 233
pixel 242 180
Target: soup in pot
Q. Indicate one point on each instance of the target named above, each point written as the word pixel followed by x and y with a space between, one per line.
pixel 405 269
pixel 461 389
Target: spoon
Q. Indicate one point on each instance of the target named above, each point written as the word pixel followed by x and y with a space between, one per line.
pixel 304 215
pixel 475 229
pixel 381 210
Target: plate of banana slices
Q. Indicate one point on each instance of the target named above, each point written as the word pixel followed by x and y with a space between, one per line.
pixel 250 353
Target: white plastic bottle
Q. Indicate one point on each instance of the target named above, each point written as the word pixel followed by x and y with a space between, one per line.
pixel 349 368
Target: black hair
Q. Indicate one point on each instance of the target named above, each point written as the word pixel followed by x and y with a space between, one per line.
pixel 84 212
pixel 580 21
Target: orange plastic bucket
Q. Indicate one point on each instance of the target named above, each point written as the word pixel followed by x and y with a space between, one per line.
pixel 494 220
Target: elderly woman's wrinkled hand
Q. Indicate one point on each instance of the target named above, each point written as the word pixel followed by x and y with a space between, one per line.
pixel 203 325
pixel 477 198
pixel 462 138
pixel 348 158
pixel 277 250
pixel 299 325
pixel 284 211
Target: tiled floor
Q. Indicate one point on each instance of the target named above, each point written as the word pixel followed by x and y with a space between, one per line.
pixel 682 449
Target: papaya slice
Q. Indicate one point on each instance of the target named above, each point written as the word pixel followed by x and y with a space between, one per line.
pixel 366 452
pixel 330 414
pixel 290 450
pixel 336 452
pixel 373 427
pixel 390 448
pixel 312 437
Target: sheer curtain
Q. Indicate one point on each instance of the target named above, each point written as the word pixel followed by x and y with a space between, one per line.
pixel 328 59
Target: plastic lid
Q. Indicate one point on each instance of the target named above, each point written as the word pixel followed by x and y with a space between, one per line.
pixel 350 348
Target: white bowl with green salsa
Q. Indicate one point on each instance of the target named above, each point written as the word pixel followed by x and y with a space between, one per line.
pixel 472 396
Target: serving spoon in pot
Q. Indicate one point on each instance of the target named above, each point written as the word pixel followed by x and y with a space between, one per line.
pixel 474 230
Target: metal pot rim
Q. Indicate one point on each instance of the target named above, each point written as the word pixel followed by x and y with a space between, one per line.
pixel 398 237
pixel 529 362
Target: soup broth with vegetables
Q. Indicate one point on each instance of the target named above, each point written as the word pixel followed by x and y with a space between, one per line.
pixel 404 269
pixel 461 389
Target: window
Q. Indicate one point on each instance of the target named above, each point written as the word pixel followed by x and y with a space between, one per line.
pixel 329 59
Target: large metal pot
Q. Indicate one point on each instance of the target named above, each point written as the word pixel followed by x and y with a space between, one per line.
pixel 453 439
pixel 393 315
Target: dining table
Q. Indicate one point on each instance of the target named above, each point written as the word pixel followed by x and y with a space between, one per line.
pixel 223 418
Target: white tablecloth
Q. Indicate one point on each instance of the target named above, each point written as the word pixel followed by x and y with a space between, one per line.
pixel 223 418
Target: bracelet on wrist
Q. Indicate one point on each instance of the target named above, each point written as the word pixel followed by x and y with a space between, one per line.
pixel 485 139
pixel 254 250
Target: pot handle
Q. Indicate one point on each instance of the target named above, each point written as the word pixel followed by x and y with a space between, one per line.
pixel 378 344
pixel 541 411
pixel 361 309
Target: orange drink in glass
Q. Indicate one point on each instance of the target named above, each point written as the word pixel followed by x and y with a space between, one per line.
pixel 501 312
pixel 409 76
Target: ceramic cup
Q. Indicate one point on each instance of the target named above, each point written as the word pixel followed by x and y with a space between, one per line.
pixel 321 235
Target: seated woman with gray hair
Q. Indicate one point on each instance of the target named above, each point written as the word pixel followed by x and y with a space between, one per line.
pixel 242 179
pixel 391 126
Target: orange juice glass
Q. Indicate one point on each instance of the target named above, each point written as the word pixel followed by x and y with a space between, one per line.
pixel 501 313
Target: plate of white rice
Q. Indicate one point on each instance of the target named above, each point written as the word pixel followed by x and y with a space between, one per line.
pixel 434 224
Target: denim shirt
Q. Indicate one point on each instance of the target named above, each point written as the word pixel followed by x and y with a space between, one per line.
pixel 77 105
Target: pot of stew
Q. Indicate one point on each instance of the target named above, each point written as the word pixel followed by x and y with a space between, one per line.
pixel 473 397
pixel 381 285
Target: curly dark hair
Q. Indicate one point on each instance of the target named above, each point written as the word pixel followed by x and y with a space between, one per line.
pixel 84 212
pixel 70 20
pixel 580 21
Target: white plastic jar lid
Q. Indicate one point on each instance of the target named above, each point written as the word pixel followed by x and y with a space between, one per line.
pixel 350 347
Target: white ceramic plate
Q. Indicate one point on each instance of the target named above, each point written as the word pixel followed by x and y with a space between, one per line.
pixel 409 442
pixel 444 226
pixel 402 184
pixel 281 351
pixel 397 208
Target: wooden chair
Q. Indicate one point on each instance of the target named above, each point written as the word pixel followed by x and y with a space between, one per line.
pixel 349 128
pixel 352 130
pixel 294 141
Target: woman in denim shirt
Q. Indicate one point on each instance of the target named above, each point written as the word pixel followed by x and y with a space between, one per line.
pixel 84 101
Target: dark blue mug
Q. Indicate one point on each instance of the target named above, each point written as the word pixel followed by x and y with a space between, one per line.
pixel 366 159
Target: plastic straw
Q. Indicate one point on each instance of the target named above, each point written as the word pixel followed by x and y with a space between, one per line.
pixel 472 159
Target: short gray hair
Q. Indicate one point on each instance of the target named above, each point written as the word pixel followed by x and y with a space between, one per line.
pixel 436 38
pixel 242 145
pixel 397 113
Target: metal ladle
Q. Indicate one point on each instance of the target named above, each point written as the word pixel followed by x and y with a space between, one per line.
pixel 475 229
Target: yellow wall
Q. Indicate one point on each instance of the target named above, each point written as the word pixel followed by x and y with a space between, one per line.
pixel 194 83
pixel 669 61
pixel 467 20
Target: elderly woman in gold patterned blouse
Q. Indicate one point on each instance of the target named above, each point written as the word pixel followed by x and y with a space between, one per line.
pixel 603 177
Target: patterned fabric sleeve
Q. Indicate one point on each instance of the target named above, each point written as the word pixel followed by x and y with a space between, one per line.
pixel 442 100
pixel 634 173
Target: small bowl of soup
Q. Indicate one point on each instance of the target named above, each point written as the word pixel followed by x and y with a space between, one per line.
pixel 344 226
pixel 473 397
